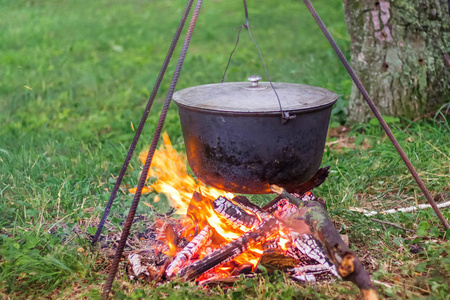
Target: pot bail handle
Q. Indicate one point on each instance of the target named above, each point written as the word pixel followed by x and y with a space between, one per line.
pixel 285 117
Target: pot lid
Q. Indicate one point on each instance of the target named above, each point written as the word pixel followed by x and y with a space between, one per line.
pixel 244 97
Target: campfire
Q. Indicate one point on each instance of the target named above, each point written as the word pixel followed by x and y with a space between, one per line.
pixel 220 235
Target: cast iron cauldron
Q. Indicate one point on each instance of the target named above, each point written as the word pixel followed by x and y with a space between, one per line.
pixel 235 138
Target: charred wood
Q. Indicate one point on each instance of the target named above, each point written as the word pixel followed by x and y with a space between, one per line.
pixel 309 247
pixel 271 245
pixel 233 213
pixel 300 226
pixel 230 251
pixel 245 203
pixel 303 189
pixel 304 277
pixel 347 264
pixel 303 245
pixel 276 259
pixel 244 269
pixel 314 182
pixel 313 214
pixel 303 251
pixel 190 250
pixel 136 266
pixel 309 269
pixel 286 195
pixel 281 209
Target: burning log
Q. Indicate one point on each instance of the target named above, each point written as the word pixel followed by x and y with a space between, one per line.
pixel 302 251
pixel 271 245
pixel 309 246
pixel 234 213
pixel 310 269
pixel 230 251
pixel 288 196
pixel 244 202
pixel 314 182
pixel 308 273
pixel 313 215
pixel 271 257
pixel 276 259
pixel 348 265
pixel 303 192
pixel 304 277
pixel 303 246
pixel 281 209
pixel 190 250
pixel 300 228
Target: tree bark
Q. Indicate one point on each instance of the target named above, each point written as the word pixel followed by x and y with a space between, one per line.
pixel 400 51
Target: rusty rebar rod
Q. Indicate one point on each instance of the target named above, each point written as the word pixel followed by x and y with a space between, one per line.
pixel 161 74
pixel 151 152
pixel 377 114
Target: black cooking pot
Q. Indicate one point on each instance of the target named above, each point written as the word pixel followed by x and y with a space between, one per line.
pixel 236 141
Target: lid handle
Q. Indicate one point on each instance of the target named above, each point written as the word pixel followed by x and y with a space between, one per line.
pixel 254 80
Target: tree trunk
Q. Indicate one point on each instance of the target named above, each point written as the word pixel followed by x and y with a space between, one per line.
pixel 400 51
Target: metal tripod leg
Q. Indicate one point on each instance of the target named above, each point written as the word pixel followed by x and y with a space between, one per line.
pixel 142 179
pixel 143 120
pixel 377 114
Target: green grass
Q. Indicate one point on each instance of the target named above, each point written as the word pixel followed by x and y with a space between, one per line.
pixel 76 74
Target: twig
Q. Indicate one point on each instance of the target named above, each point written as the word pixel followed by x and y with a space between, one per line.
pixel 418 118
pixel 368 213
pixel 437 149
pixel 392 224
pixel 291 198
pixel 382 283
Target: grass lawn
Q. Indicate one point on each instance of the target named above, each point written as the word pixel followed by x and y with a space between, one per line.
pixel 75 78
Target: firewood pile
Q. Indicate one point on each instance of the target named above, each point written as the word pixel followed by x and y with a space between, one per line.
pixel 221 236
pixel 267 239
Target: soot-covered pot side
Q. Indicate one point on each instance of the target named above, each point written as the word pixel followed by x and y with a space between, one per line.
pixel 244 147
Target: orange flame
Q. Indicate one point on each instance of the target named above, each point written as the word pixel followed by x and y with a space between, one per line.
pixel 169 168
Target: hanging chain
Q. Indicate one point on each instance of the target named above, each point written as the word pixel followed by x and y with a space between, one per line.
pixel 284 115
